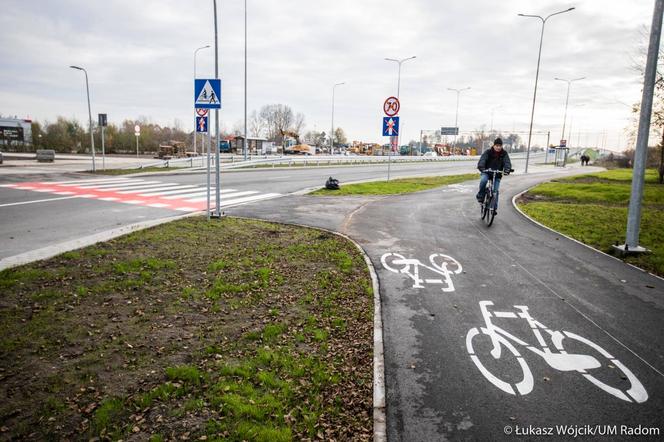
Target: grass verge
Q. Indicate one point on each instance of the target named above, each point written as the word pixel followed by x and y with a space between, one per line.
pixel 397 186
pixel 593 209
pixel 230 330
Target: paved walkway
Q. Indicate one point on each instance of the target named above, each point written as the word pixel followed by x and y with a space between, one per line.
pixel 578 335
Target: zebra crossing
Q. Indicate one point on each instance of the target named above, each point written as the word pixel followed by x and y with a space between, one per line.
pixel 174 196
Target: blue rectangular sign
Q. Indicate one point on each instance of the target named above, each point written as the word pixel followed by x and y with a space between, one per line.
pixel 207 93
pixel 202 124
pixel 390 126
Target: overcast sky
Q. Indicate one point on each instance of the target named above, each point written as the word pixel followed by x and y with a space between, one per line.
pixel 140 56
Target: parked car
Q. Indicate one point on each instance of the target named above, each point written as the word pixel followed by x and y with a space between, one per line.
pixel 431 153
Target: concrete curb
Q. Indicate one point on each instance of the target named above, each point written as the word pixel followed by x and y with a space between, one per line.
pixel 67 246
pixel 379 418
pixel 515 197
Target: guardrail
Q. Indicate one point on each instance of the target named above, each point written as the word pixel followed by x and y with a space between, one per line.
pixel 256 161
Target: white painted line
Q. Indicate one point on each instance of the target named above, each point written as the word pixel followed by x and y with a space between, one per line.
pixel 88 184
pixel 37 201
pixel 158 205
pixel 249 199
pixel 152 188
pixel 187 209
pixel 181 189
pixel 44 190
pixel 9 185
pixel 131 186
pixel 116 185
pixel 87 195
pixel 227 195
pixel 197 193
pixel 96 180
pixel 133 201
pixel 109 198
pixel 63 193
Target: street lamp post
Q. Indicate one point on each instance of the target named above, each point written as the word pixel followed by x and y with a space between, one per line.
pixel 195 133
pixel 246 140
pixel 569 82
pixel 456 118
pixel 399 62
pixel 92 138
pixel 332 129
pixel 539 57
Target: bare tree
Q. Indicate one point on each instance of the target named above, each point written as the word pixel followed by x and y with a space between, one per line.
pixel 256 125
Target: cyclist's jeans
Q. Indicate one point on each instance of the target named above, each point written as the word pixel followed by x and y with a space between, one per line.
pixel 484 179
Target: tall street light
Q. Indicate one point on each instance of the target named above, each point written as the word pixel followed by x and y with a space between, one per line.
pixel 539 56
pixel 332 129
pixel 456 119
pixel 92 138
pixel 196 52
pixel 569 82
pixel 246 140
pixel 399 62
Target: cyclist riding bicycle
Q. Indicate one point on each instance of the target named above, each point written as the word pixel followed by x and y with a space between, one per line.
pixel 495 158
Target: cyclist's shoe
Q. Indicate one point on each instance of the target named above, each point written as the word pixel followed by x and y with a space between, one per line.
pixel 495 212
pixel 480 199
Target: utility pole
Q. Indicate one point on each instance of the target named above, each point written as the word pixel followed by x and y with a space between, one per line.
pixel 634 215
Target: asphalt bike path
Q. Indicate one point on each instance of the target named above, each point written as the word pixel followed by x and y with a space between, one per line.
pixel 510 332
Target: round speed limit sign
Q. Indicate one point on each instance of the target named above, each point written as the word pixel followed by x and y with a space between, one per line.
pixel 391 106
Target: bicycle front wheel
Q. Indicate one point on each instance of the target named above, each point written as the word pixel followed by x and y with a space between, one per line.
pixel 490 213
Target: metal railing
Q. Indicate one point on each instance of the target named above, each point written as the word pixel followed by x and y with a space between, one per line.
pixel 229 162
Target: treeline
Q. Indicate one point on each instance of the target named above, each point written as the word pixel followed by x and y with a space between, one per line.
pixel 68 135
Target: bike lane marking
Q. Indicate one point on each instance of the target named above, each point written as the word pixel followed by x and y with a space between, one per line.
pixel 557 295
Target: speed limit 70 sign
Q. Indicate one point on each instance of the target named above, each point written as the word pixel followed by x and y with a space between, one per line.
pixel 391 106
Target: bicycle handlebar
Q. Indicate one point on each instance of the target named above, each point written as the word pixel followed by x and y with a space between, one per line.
pixel 497 171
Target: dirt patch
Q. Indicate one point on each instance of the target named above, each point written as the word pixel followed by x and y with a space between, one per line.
pixel 232 329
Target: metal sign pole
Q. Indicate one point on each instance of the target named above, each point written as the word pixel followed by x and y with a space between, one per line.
pixel 217 208
pixel 208 173
pixel 103 150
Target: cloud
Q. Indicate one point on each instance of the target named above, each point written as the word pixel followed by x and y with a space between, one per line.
pixel 139 56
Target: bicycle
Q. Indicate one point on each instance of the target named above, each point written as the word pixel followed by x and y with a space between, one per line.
pixel 556 357
pixel 397 263
pixel 488 205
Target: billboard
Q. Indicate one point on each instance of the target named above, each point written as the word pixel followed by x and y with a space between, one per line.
pixel 9 134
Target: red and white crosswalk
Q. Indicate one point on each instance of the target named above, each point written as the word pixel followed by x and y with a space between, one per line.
pixel 174 196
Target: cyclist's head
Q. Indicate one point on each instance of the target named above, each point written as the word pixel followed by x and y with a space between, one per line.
pixel 498 144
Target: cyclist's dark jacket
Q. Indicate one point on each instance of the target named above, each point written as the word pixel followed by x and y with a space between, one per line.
pixel 491 159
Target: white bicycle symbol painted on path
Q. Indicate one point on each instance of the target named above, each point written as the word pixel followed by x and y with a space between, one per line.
pixel 441 265
pixel 557 357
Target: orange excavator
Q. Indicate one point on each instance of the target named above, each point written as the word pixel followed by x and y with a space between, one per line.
pixel 298 147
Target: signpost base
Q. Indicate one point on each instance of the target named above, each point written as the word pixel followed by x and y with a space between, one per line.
pixel 623 250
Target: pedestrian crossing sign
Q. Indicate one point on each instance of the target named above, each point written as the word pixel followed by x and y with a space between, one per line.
pixel 207 93
pixel 202 124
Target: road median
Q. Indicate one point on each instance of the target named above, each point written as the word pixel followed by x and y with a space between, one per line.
pixel 238 329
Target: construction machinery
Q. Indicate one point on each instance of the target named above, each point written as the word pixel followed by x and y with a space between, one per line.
pixel 172 149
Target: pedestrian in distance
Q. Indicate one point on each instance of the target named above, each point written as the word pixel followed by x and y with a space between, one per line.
pixel 494 159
